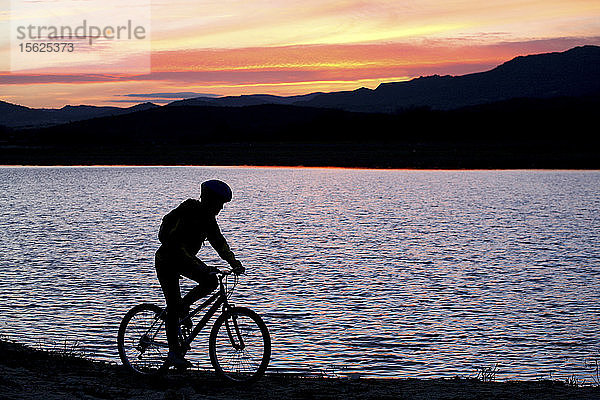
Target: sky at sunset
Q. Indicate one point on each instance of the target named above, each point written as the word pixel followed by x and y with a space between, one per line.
pixel 285 47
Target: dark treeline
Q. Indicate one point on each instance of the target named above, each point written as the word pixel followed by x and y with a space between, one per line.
pixel 544 133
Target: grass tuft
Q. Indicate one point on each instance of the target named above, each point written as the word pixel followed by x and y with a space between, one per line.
pixel 486 374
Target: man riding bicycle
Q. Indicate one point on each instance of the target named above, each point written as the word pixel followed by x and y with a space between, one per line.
pixel 182 233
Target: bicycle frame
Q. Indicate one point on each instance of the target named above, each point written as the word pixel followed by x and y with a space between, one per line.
pixel 143 348
pixel 217 300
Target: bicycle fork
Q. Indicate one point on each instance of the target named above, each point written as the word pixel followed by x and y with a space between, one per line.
pixel 239 345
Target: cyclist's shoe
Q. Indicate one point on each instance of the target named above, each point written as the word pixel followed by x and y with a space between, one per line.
pixel 178 361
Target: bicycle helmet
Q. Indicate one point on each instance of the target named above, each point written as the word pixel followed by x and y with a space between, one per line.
pixel 216 189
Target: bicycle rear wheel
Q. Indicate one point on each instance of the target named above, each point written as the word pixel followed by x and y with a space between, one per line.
pixel 240 346
pixel 142 339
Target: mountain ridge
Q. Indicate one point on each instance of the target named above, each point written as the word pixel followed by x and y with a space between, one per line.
pixel 18 116
pixel 555 74
pixel 572 73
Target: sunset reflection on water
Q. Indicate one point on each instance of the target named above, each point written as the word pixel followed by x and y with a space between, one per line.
pixel 382 273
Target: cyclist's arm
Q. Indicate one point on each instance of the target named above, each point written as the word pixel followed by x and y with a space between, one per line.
pixel 218 242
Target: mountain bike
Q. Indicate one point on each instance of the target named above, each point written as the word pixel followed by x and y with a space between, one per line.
pixel 239 343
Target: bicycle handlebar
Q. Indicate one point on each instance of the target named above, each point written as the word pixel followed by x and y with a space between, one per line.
pixel 223 271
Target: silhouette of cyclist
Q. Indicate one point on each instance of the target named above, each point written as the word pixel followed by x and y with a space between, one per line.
pixel 182 233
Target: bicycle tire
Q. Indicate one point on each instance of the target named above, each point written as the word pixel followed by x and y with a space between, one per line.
pixel 250 326
pixel 142 340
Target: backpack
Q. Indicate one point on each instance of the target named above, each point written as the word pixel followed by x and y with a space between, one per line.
pixel 167 226
pixel 170 221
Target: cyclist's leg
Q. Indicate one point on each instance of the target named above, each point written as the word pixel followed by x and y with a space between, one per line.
pixel 198 271
pixel 169 282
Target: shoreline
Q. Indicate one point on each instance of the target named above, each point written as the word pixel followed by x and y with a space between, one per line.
pixel 302 167
pixel 368 155
pixel 27 373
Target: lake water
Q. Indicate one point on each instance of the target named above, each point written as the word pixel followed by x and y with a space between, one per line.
pixel 381 273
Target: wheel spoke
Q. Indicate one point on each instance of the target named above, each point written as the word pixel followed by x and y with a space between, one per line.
pixel 142 339
pixel 230 358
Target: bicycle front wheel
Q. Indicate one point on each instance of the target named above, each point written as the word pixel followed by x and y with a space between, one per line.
pixel 142 339
pixel 240 346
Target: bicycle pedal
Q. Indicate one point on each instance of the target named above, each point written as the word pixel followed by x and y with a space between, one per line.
pixel 184 333
pixel 187 322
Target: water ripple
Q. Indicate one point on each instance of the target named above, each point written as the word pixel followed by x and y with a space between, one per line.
pixel 383 273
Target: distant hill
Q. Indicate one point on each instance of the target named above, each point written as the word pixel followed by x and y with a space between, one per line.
pixel 516 133
pixel 16 116
pixel 245 100
pixel 572 73
pixel 506 121
pixel 531 112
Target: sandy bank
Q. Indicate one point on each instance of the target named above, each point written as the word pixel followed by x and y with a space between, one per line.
pixel 26 373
